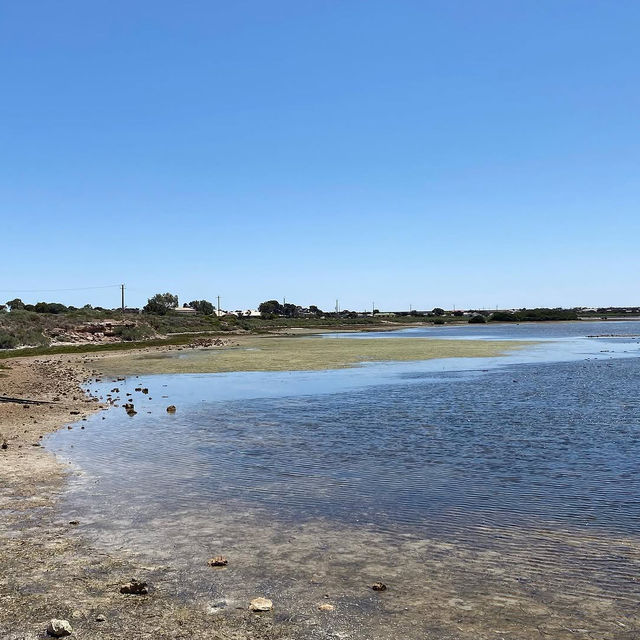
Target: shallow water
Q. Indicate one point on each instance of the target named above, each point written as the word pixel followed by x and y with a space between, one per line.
pixel 493 495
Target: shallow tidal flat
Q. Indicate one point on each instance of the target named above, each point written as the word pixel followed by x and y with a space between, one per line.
pixel 493 501
pixel 303 354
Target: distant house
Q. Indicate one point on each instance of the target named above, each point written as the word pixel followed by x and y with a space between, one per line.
pixel 186 311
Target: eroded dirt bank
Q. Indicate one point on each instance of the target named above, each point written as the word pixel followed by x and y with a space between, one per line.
pixel 45 571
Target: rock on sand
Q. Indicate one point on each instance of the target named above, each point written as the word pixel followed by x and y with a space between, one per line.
pixel 59 628
pixel 261 604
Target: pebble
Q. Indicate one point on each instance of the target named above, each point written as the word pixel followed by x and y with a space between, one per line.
pixel 59 628
pixel 326 607
pixel 100 618
pixel 261 604
pixel 379 586
pixel 218 561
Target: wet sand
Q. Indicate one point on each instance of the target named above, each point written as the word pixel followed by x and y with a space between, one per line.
pixel 46 570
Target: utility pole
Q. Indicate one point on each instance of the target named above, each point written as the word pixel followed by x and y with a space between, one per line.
pixel 218 309
pixel 373 308
pixel 122 292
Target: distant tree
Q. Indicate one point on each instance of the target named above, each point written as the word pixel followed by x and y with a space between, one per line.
pixel 202 306
pixel 29 307
pixel 88 307
pixel 270 308
pixel 16 304
pixel 290 310
pixel 458 314
pixel 438 311
pixel 316 312
pixel 375 311
pixel 503 316
pixel 50 307
pixel 477 319
pixel 3 307
pixel 161 303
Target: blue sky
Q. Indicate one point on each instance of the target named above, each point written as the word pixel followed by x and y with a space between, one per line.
pixel 427 153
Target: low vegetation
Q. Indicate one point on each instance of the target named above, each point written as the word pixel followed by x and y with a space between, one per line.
pixel 52 324
pixel 254 353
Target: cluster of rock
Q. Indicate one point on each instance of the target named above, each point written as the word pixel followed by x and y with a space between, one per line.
pixel 200 343
pixel 94 332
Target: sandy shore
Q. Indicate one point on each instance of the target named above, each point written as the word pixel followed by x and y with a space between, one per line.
pixel 48 569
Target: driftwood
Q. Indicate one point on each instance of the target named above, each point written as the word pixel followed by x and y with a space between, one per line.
pixel 24 401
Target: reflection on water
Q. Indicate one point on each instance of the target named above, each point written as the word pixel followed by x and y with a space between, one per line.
pixel 505 500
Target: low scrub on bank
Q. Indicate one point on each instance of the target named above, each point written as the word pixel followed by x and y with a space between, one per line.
pixel 534 315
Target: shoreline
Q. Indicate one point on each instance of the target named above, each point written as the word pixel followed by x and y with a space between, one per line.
pixel 48 568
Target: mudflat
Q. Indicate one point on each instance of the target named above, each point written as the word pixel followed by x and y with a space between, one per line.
pixel 299 354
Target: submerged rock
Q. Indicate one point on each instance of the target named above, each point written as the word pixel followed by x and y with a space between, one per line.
pixel 261 604
pixel 171 408
pixel 59 628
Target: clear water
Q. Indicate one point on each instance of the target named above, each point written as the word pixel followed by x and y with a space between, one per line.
pixel 522 466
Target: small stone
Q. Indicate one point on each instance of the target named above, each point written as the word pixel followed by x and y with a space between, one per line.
pixel 326 607
pixel 218 561
pixel 379 586
pixel 76 613
pixel 261 604
pixel 135 588
pixel 100 618
pixel 74 522
pixel 171 408
pixel 4 445
pixel 59 628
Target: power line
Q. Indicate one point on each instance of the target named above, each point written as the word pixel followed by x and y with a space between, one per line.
pixel 106 286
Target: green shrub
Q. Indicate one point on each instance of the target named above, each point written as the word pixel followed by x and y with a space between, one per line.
pixel 7 341
pixel 131 334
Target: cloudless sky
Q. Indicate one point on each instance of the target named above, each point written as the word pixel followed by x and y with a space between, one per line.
pixel 432 153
